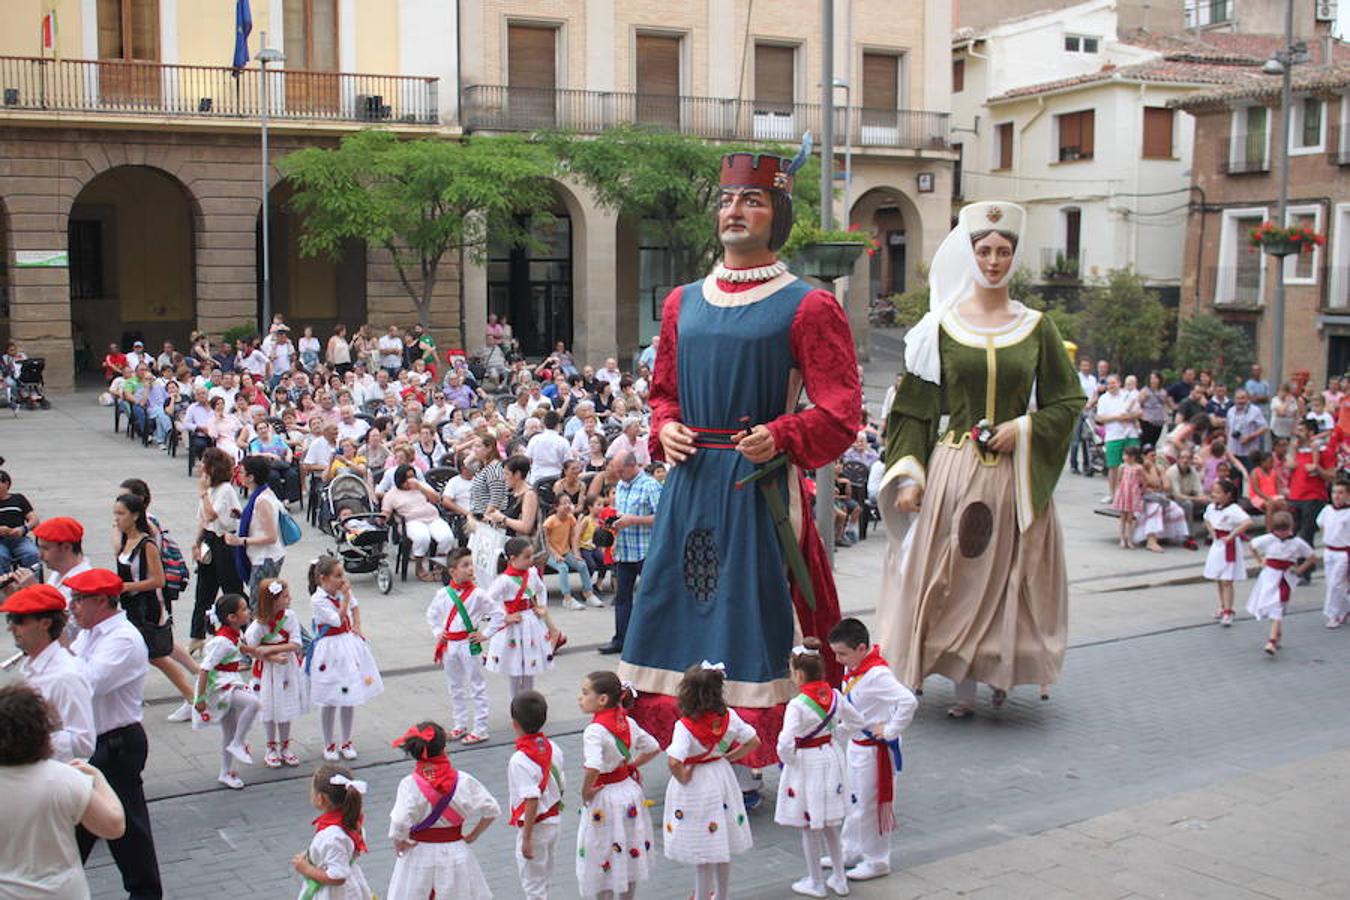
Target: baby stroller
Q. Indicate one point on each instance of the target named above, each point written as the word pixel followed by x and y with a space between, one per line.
pixel 27 388
pixel 359 530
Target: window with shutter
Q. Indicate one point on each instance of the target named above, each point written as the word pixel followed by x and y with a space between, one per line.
pixel 1158 132
pixel 775 78
pixel 958 75
pixel 881 81
pixel 310 40
pixel 1075 135
pixel 128 31
pixel 658 79
pixel 532 74
pixel 1005 145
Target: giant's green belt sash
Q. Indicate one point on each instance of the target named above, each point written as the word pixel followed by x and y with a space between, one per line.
pixel 767 478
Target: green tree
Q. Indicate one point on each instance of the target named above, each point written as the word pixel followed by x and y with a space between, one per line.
pixel 1124 321
pixel 421 200
pixel 1208 342
pixel 668 180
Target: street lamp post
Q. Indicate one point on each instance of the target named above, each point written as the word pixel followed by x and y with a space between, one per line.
pixel 1285 60
pixel 266 55
pixel 824 508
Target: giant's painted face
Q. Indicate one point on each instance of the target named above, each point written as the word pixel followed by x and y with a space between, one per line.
pixel 744 218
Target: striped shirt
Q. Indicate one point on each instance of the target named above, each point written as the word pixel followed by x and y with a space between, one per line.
pixel 488 489
pixel 638 497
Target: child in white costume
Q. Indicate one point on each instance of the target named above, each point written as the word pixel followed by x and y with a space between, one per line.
pixel 329 865
pixel 887 707
pixel 342 670
pixel 705 821
pixel 534 778
pixel 1280 554
pixel 223 697
pixel 614 834
pixel 279 677
pixel 1334 520
pixel 459 646
pixel 518 638
pixel 813 786
pixel 1224 563
pixel 427 823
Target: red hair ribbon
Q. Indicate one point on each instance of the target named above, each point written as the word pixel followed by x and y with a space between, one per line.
pixel 426 733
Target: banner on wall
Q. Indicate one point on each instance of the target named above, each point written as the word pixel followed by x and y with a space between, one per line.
pixel 41 259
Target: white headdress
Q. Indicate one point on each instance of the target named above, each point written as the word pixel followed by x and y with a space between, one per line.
pixel 952 274
pixel 716 667
pixel 356 784
pixel 799 650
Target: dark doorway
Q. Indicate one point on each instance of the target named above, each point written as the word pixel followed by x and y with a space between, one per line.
pixel 532 288
pixel 1338 354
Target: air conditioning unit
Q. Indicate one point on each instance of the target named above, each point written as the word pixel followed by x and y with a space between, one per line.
pixel 1325 10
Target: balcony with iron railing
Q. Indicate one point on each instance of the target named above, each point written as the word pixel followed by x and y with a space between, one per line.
pixel 207 93
pixel 1247 155
pixel 490 107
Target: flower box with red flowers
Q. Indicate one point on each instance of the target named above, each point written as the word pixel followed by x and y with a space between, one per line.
pixel 1286 241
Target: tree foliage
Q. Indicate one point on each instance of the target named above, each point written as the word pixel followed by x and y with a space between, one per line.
pixel 418 199
pixel 669 181
pixel 1124 321
pixel 1208 342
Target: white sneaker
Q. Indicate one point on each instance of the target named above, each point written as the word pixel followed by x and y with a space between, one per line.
pixel 348 751
pixel 867 870
pixel 231 780
pixel 594 602
pixel 571 603
pixel 330 753
pixel 182 714
pixel 240 752
pixel 838 882
pixel 1107 500
pixel 808 888
pixel 273 758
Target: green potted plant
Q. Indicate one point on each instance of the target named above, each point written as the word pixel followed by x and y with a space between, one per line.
pixel 1064 268
pixel 827 255
pixel 1286 241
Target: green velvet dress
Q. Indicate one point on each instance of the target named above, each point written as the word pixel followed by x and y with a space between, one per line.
pixel 977 589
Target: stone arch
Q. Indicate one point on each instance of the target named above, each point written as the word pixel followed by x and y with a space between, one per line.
pixel 895 219
pixel 132 231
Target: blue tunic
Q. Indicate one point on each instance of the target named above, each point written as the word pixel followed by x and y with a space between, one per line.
pixel 714 586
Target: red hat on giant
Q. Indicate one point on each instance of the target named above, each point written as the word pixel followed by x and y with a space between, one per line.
pixel 764 170
pixel 95 581
pixel 36 598
pixel 59 530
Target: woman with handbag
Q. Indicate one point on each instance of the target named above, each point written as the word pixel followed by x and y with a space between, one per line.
pixel 260 550
pixel 217 515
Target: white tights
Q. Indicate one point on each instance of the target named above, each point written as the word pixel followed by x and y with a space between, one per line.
pixel 235 723
pixel 712 876
pixel 326 714
pixel 811 847
pixel 275 729
pixel 520 683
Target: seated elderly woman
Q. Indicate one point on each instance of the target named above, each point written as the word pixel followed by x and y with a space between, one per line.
pixel 417 505
pixel 280 458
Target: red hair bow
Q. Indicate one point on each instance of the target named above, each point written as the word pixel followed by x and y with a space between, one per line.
pixel 427 734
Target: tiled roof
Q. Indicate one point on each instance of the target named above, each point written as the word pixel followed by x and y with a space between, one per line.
pixel 1261 86
pixel 1165 71
pixel 1225 47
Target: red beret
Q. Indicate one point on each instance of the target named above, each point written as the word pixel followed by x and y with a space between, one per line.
pixel 60 530
pixel 36 598
pixel 95 581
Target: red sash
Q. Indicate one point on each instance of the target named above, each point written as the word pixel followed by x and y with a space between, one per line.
pixel 881 748
pixel 228 667
pixel 819 740
pixel 1281 565
pixel 231 635
pixel 622 773
pixel 437 780
pixel 344 622
pixel 274 628
pixel 447 634
pixel 1229 548
pixel 539 751
pixel 1346 551
pixel 519 603
pixel 615 721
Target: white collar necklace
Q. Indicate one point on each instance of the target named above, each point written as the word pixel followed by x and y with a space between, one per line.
pixel 744 276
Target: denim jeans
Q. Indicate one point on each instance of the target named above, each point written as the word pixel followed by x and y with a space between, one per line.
pixel 573 563
pixel 17 551
pixel 626 575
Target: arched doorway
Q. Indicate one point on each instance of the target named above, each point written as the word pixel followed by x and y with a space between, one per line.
pixel 131 234
pixel 309 290
pixel 532 286
pixel 882 210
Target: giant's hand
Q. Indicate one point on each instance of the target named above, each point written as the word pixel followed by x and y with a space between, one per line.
pixel 1004 439
pixel 758 444
pixel 678 441
pixel 909 498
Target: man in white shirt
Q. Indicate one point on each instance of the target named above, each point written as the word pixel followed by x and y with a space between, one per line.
pixel 227 388
pixel 520 410
pixel 349 426
pixel 281 353
pixel 1120 413
pixel 629 441
pixel 610 373
pixel 458 493
pixel 319 453
pixel 1081 447
pixel 390 346
pixel 138 356
pixel 37 619
pixel 547 451
pixel 114 660
pixel 252 360
pixel 60 541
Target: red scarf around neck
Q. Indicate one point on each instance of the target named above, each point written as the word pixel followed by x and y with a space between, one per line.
pixel 821 692
pixel 872 660
pixel 709 728
pixel 334 817
pixel 516 573
pixel 230 633
pixel 615 721
pixel 464 590
pixel 537 750
pixel 438 771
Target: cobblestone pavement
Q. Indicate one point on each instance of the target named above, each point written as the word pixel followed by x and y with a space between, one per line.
pixel 1173 758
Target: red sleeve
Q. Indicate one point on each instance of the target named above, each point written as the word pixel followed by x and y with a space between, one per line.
pixel 664 394
pixel 822 345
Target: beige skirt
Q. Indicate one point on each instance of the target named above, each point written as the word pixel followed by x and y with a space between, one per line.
pixel 965 594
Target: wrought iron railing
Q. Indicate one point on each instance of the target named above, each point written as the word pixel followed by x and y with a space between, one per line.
pixel 213 92
pixel 491 107
pixel 1247 154
pixel 1239 285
